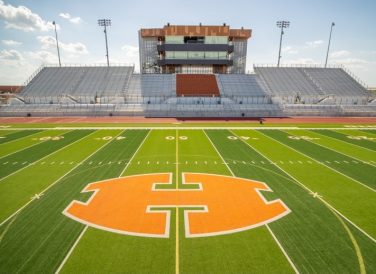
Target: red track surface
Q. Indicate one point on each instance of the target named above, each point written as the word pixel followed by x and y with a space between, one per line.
pixel 138 120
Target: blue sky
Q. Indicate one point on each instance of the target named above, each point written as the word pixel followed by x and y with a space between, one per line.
pixel 27 36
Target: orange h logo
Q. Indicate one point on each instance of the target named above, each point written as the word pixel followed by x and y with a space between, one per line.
pixel 137 205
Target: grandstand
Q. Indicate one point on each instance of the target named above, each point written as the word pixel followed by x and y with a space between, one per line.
pixel 117 90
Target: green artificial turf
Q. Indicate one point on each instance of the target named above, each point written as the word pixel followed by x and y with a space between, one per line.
pixel 314 237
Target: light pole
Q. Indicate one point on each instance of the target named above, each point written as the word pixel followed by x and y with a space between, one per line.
pixel 330 37
pixel 282 25
pixel 105 23
pixel 57 44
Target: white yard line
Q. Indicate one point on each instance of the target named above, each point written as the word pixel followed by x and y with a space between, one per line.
pixel 13 152
pixel 33 163
pixel 3 144
pixel 353 157
pixel 71 250
pixel 83 232
pixel 335 150
pixel 271 232
pixel 229 169
pixel 56 181
pixel 282 249
pixel 347 143
pixel 131 159
pixel 309 190
pixel 322 163
pixel 40 142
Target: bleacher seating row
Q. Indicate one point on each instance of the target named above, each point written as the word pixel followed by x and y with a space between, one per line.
pixel 270 91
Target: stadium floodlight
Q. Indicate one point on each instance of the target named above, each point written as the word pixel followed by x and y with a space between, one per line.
pixel 105 23
pixel 57 44
pixel 282 25
pixel 330 38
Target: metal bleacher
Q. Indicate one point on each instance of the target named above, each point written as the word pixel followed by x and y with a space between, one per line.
pixel 150 87
pixel 287 81
pixel 117 90
pixel 241 85
pixel 77 82
pixel 311 81
pixel 335 81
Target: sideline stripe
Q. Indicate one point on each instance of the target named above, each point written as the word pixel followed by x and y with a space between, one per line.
pixel 71 250
pixel 84 230
pixel 271 232
pixel 77 165
pixel 310 191
pixel 282 249
pixel 320 162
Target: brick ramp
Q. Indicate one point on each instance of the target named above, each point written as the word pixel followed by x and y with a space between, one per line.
pixel 196 85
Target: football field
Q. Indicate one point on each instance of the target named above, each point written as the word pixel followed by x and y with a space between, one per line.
pixel 179 199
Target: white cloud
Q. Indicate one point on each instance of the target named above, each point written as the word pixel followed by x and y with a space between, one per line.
pixel 42 56
pixel 74 20
pixel 49 42
pixel 10 55
pixel 351 62
pixel 301 61
pixel 22 18
pixel 289 50
pixel 11 42
pixel 340 54
pixel 314 44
